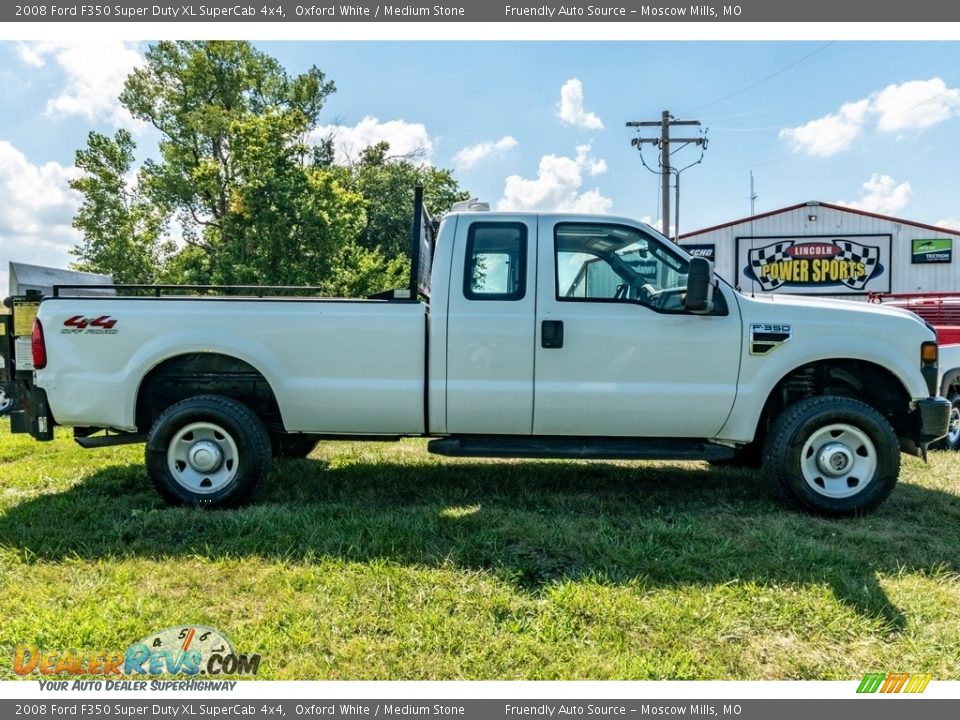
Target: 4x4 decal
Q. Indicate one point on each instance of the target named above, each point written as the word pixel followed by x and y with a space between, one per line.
pixel 102 325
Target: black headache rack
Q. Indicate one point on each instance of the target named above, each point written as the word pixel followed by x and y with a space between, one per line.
pixel 423 242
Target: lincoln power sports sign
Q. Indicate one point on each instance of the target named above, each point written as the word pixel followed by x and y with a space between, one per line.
pixel 814 265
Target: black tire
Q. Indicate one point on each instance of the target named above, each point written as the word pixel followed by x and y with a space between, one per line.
pixel 952 439
pixel 817 451
pixel 208 451
pixel 293 446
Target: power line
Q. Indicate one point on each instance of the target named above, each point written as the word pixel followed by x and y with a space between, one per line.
pixel 860 78
pixel 764 79
pixel 745 130
pixel 829 144
pixel 904 111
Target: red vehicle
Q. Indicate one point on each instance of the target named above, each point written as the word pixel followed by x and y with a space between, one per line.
pixel 942 311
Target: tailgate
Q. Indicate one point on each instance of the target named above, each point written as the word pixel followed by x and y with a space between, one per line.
pixel 19 398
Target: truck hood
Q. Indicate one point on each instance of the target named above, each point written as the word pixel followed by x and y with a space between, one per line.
pixel 850 308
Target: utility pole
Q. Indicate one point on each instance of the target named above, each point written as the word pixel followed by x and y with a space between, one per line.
pixel 753 197
pixel 665 142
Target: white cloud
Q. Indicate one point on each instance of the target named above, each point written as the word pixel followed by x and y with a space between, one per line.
pixel 95 72
pixel 36 215
pixel 469 156
pixel 29 54
pixel 406 139
pixel 658 225
pixel 881 194
pixel 557 186
pixel 830 134
pixel 950 223
pixel 913 105
pixel 570 108
pixel 594 167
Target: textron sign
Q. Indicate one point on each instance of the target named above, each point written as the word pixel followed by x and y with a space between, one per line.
pixel 821 265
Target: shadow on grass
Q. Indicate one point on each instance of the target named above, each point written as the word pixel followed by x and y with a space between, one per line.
pixel 529 523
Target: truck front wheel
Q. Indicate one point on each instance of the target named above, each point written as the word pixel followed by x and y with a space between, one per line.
pixel 832 456
pixel 208 451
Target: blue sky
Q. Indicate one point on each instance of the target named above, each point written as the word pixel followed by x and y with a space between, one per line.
pixel 540 124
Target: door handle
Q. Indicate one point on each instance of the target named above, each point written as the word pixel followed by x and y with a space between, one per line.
pixel 551 334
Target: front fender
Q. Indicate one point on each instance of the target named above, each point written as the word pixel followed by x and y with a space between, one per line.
pixel 758 381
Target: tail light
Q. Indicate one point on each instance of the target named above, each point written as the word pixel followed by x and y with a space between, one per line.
pixel 39 347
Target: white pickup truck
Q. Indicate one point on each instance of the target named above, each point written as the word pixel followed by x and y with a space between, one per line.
pixel 545 336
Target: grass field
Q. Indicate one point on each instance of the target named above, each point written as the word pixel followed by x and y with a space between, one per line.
pixel 372 561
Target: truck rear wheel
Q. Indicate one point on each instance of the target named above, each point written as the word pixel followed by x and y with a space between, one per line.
pixel 832 456
pixel 208 451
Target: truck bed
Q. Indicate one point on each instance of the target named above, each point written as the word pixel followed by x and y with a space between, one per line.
pixel 335 366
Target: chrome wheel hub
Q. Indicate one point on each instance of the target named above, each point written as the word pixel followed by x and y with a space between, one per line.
pixel 834 459
pixel 838 460
pixel 203 457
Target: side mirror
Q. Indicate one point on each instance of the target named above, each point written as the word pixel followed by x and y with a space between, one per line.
pixel 699 297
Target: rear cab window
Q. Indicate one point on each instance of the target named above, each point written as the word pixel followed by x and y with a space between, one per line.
pixel 496 262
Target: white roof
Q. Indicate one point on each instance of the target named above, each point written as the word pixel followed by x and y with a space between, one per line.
pixel 25 277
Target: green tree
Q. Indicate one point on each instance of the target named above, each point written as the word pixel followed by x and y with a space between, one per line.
pixel 358 272
pixel 122 230
pixel 387 185
pixel 256 202
pixel 286 219
pixel 232 163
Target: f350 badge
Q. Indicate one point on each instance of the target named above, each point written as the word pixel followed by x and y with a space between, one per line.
pixel 764 337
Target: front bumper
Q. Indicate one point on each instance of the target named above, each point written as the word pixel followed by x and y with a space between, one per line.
pixel 934 419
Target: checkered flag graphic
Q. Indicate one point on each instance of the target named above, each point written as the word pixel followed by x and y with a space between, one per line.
pixel 848 251
pixel 856 252
pixel 765 256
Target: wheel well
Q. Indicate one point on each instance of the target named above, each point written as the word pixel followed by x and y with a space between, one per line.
pixel 185 376
pixel 857 379
pixel 950 385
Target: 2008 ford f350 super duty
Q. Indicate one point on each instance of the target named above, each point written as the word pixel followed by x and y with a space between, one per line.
pixel 545 335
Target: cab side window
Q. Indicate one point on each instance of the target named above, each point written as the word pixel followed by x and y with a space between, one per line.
pixel 496 262
pixel 616 263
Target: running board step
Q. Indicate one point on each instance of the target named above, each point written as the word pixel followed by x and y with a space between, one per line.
pixel 88 442
pixel 510 446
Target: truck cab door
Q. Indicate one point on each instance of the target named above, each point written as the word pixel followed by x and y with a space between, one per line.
pixel 490 326
pixel 616 353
